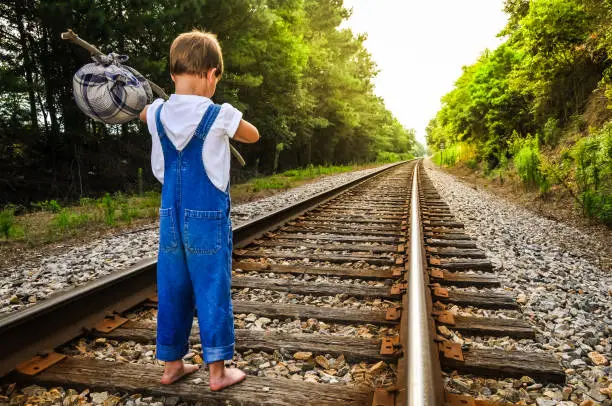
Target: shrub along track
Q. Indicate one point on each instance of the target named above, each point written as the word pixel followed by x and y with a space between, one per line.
pixel 356 244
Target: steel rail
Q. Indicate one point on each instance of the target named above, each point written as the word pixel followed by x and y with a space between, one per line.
pixel 423 375
pixel 52 322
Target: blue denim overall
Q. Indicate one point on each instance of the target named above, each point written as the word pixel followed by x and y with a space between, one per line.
pixel 194 266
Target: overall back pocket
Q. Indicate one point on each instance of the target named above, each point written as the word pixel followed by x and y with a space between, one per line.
pixel 168 230
pixel 203 230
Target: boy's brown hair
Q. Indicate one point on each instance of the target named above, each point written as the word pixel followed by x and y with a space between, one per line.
pixel 195 53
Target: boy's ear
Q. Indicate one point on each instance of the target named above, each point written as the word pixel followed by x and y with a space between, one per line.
pixel 173 79
pixel 210 75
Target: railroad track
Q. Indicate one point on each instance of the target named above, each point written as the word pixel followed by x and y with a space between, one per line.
pixel 353 297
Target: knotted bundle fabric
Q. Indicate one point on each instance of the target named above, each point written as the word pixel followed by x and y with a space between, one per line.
pixel 109 91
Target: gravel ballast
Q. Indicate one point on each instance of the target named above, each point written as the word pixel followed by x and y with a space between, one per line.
pixel 559 277
pixel 34 280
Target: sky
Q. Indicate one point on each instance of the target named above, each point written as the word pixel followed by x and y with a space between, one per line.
pixel 420 47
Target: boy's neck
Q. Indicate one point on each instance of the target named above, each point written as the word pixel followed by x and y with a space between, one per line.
pixel 192 85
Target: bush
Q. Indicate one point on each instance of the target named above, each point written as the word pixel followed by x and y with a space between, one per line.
pixel 87 202
pixel 390 157
pixel 7 221
pixel 472 164
pixel 67 220
pixel 151 199
pixel 527 161
pixel 593 160
pixel 127 212
pixel 109 205
pixel 48 205
pixel 552 132
pixel 454 154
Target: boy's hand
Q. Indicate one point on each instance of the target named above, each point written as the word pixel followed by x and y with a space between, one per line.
pixel 143 114
pixel 246 132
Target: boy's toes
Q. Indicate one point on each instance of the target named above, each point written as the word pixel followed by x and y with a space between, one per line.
pixel 230 377
pixel 172 376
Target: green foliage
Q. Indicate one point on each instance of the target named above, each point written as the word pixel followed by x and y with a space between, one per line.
pixel 454 154
pixel 389 157
pixel 87 202
pixel 140 182
pixel 48 205
pixel 271 182
pixel 419 150
pixel 127 212
pixel 551 132
pixel 527 161
pixel 312 171
pixel 593 158
pixel 7 221
pixel 472 163
pixel 152 199
pixel 109 205
pixel 289 178
pixel 67 220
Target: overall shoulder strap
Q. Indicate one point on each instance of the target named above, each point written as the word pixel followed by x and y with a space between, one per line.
pixel 161 132
pixel 207 121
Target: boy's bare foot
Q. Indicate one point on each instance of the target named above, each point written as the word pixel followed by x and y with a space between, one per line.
pixel 175 370
pixel 222 377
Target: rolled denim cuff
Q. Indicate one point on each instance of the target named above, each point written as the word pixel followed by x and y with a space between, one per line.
pixel 171 352
pixel 213 354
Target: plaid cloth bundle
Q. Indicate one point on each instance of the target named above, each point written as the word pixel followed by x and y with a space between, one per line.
pixel 110 92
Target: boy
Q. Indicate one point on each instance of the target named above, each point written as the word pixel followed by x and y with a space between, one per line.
pixel 191 158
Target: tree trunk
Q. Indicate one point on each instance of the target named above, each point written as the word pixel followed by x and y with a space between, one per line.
pixel 27 64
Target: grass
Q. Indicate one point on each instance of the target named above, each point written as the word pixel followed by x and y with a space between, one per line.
pixel 592 157
pixel 7 222
pixel 262 186
pixel 51 222
pixel 48 221
pixel 454 154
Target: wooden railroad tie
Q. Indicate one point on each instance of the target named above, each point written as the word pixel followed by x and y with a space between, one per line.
pixel 121 377
pixel 499 363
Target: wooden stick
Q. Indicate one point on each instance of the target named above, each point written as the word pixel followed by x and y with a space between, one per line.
pixel 75 39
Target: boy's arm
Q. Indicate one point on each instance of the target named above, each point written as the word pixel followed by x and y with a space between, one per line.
pixel 143 114
pixel 246 132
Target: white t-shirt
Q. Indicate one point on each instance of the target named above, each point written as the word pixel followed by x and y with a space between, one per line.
pixel 180 116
